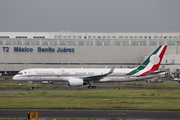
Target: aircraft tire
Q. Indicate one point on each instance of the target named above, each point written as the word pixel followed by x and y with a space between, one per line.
pixel 91 87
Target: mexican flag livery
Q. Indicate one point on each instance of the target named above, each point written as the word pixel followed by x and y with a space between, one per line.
pixel 87 76
pixel 151 64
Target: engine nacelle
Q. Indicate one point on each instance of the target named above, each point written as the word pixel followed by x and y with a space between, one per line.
pixel 75 82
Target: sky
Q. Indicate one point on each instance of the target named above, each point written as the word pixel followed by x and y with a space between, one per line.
pixel 90 15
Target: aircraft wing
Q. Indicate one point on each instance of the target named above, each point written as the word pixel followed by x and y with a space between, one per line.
pixel 97 77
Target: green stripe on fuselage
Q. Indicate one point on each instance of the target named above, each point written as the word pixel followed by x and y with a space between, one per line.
pixel 143 64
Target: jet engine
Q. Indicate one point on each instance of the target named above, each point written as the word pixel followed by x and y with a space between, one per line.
pixel 75 82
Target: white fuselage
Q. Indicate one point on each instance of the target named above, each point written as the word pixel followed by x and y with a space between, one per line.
pixel 75 77
pixel 64 74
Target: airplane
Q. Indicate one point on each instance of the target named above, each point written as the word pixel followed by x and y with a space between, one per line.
pixel 149 68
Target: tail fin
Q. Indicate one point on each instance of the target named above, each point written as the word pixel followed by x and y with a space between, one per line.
pixel 151 64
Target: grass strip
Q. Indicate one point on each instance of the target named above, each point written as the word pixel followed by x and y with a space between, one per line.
pixel 107 99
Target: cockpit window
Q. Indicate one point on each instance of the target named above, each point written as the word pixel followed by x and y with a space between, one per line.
pixel 19 73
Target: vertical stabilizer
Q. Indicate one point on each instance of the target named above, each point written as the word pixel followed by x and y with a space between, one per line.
pixel 151 63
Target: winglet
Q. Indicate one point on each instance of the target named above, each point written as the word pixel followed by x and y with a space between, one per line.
pixel 98 77
pixel 111 71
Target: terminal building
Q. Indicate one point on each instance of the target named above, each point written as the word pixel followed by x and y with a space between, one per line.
pixel 22 50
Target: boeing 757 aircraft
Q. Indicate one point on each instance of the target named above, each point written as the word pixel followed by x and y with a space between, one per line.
pixel 80 76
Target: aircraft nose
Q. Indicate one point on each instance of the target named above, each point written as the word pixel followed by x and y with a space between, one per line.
pixel 15 77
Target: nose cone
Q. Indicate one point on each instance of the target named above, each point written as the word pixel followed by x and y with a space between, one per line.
pixel 15 77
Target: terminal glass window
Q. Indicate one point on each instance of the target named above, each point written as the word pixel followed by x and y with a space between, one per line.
pixel 62 42
pixel 178 43
pixel 135 36
pixel 103 42
pixel 35 42
pixel 49 42
pixel 26 42
pixel 99 42
pixel 44 42
pixel 21 36
pixel 85 42
pixel 38 37
pixel 153 42
pixel 161 42
pixel 81 42
pixel 71 42
pixel 117 42
pixel 171 42
pixel 4 36
pixel 142 43
pixel 107 42
pixel 67 42
pixel 53 42
pixel 121 42
pixel 1 42
pixel 135 43
pixel 17 42
pixel 89 42
pixel 8 42
pixel 125 42
pixel 138 42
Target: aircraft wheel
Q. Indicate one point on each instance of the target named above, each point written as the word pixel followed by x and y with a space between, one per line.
pixel 90 87
pixel 94 87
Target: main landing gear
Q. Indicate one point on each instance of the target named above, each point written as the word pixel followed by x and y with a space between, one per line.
pixel 91 86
